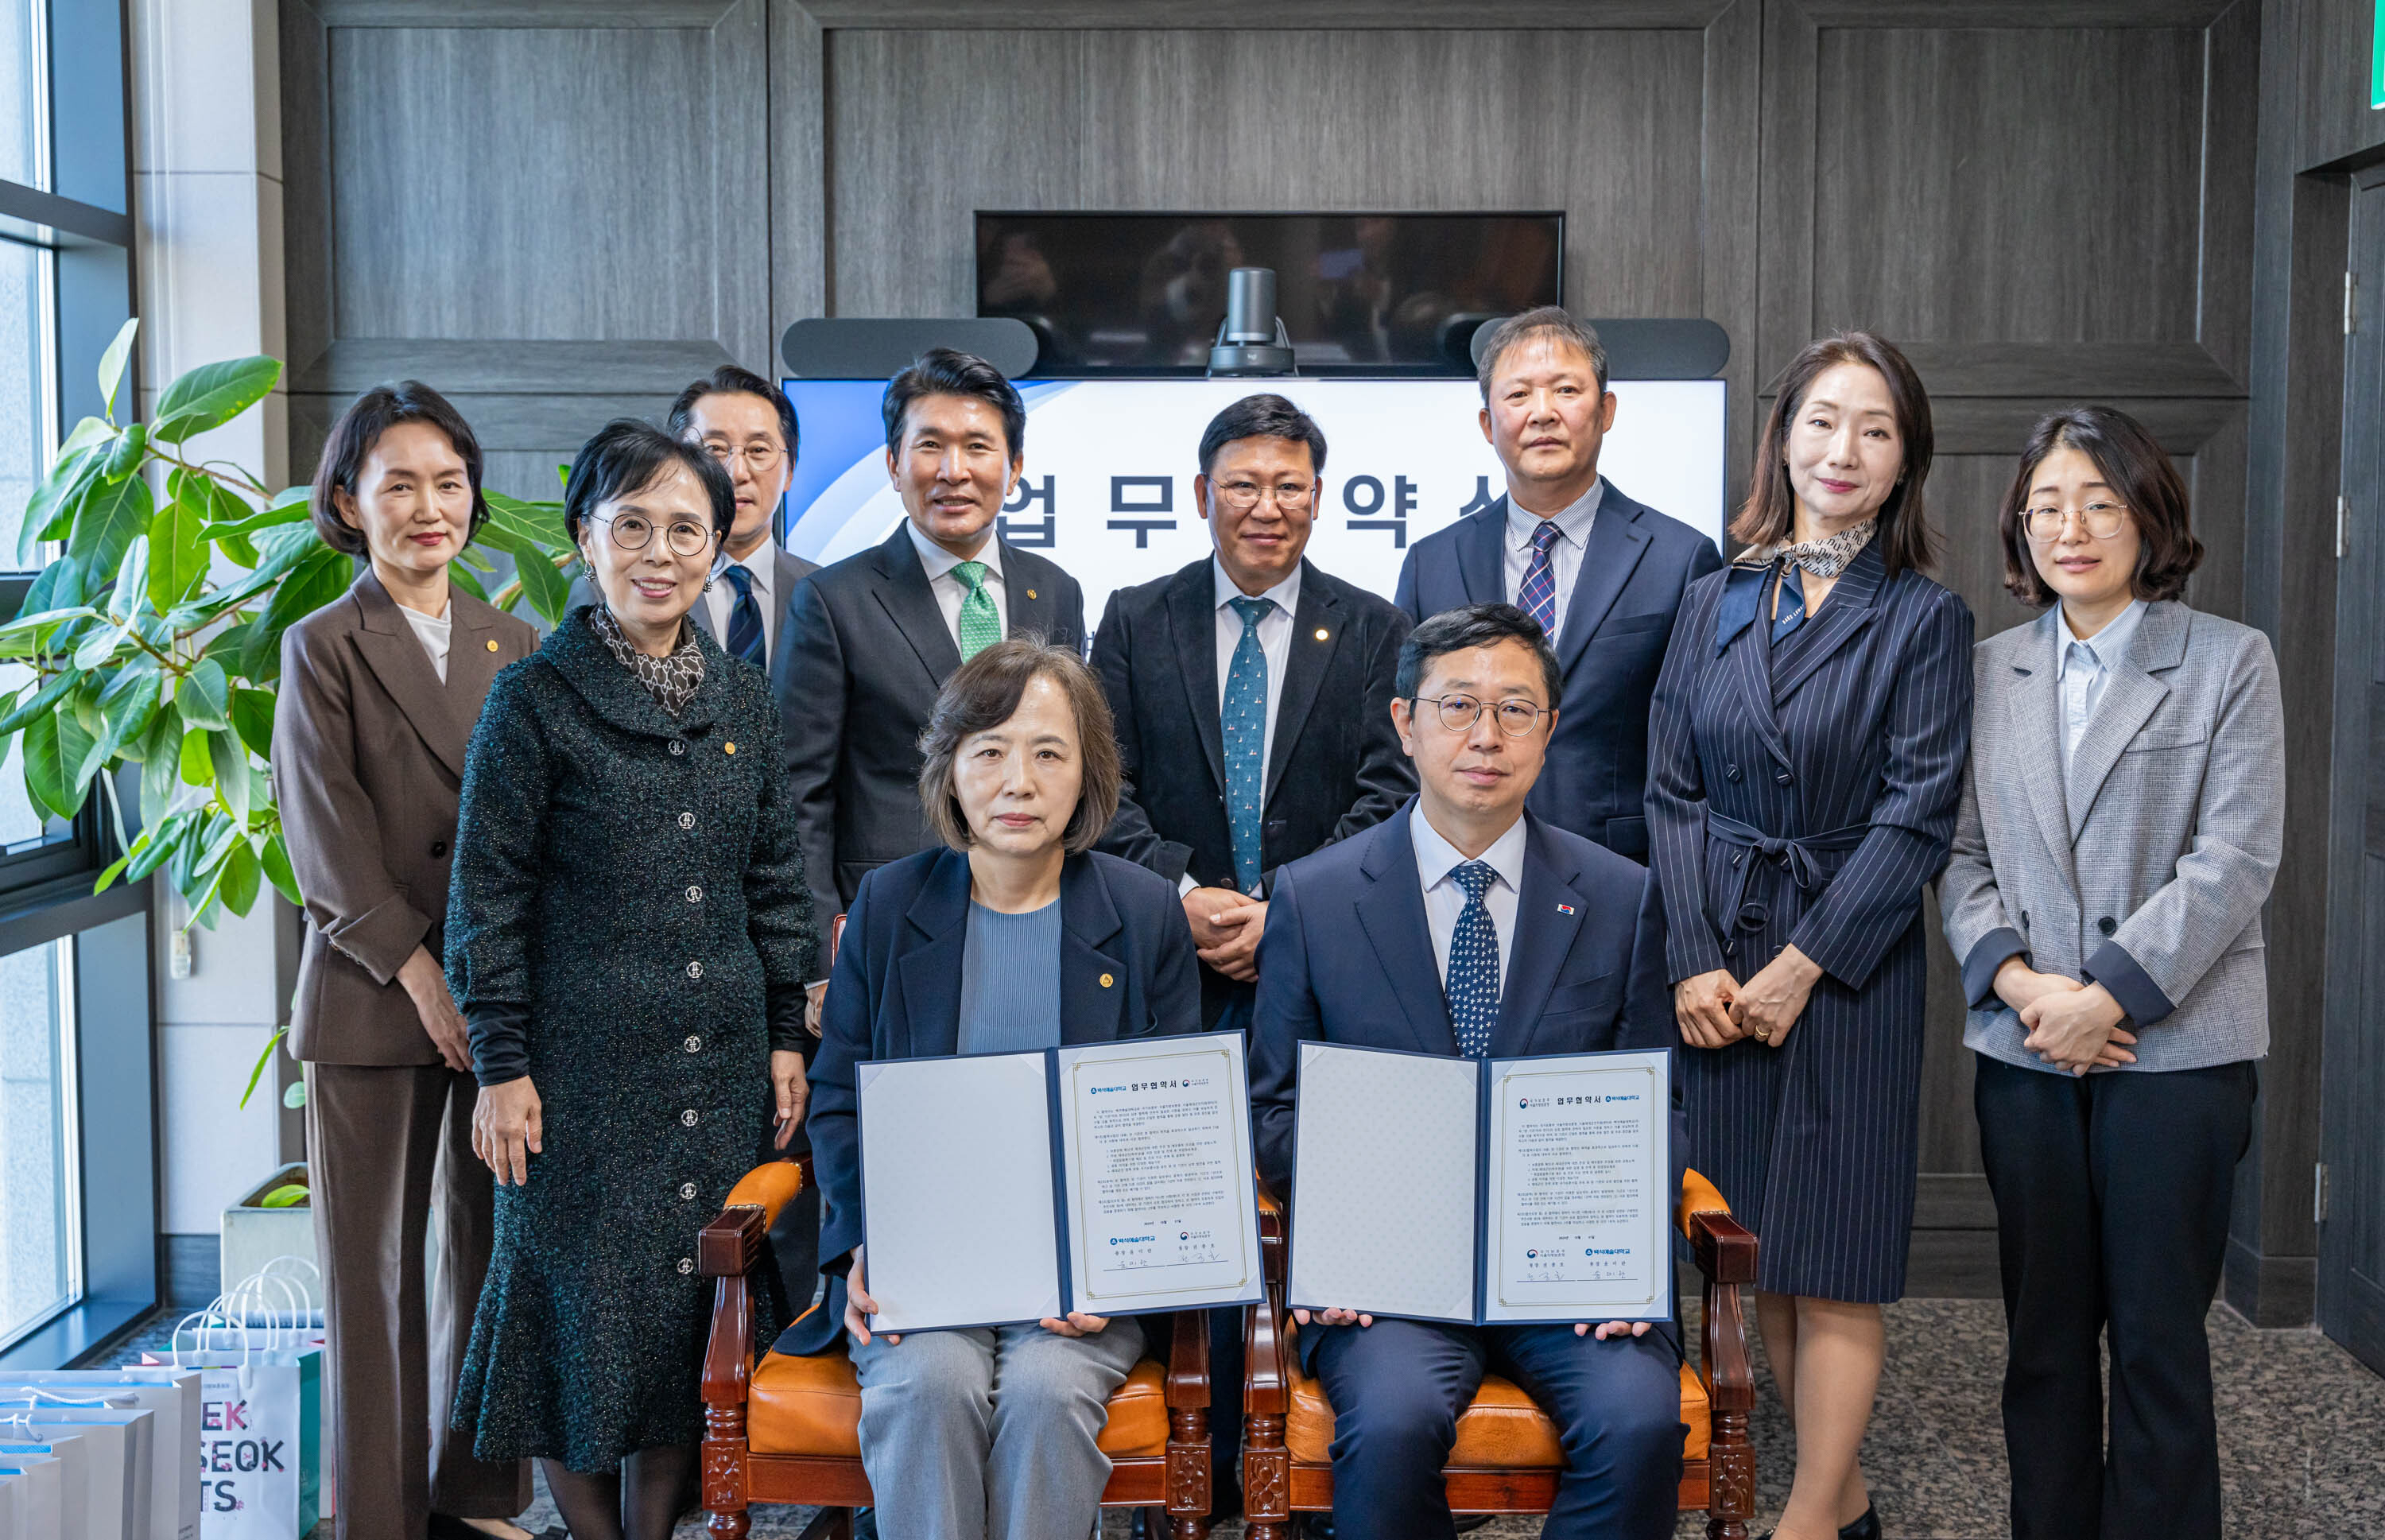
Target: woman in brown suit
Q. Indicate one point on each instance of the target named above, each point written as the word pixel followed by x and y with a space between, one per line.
pixel 380 693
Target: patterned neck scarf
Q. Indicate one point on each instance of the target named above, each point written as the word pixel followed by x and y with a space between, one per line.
pixel 672 681
pixel 1827 557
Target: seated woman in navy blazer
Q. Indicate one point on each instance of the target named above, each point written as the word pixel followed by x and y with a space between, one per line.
pixel 2121 823
pixel 1016 936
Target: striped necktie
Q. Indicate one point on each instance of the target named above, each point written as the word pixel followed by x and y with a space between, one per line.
pixel 1537 595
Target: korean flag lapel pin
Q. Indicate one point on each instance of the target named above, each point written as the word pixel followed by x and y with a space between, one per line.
pixel 1565 908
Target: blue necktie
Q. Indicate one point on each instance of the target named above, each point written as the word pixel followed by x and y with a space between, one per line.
pixel 1243 717
pixel 1791 613
pixel 744 618
pixel 1473 977
pixel 1537 595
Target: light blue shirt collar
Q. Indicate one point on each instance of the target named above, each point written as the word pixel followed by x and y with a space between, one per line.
pixel 1436 858
pixel 1573 522
pixel 2108 646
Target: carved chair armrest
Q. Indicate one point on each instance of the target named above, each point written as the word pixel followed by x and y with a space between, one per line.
pixel 1188 1361
pixel 726 1250
pixel 1725 1248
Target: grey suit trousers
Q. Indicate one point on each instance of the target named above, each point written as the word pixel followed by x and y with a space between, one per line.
pixel 990 1434
pixel 388 1145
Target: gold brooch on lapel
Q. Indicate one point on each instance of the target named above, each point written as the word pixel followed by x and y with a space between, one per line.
pixel 1031 593
pixel 1105 981
pixel 493 646
pixel 1320 633
pixel 728 748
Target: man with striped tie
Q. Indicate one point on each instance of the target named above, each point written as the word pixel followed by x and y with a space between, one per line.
pixel 1603 574
pixel 1466 925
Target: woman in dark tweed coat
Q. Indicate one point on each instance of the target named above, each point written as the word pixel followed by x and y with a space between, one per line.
pixel 629 935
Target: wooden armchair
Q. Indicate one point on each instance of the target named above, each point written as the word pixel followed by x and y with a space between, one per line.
pixel 787 1430
pixel 1507 1457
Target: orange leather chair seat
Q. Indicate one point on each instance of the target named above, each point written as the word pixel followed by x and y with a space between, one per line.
pixel 813 1406
pixel 1503 1428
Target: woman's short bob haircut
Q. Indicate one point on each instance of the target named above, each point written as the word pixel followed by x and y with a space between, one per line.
pixel 625 456
pixel 351 444
pixel 1904 538
pixel 2140 475
pixel 984 692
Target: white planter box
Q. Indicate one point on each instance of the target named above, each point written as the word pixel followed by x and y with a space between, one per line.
pixel 254 1236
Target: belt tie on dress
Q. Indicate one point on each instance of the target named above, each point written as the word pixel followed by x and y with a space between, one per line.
pixel 1796 857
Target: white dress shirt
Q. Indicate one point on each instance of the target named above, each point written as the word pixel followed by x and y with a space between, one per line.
pixel 1444 900
pixel 950 591
pixel 2081 669
pixel 1573 524
pixel 762 561
pixel 432 632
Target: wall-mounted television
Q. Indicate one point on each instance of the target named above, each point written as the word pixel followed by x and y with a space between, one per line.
pixel 1360 294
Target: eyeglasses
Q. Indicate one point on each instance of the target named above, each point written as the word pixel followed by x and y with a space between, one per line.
pixel 759 458
pixel 2102 520
pixel 635 532
pixel 1242 497
pixel 1458 713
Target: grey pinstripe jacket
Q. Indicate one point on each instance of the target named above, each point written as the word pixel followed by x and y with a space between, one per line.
pixel 2146 870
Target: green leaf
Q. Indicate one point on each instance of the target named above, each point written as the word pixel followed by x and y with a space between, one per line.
pixel 252 718
pixel 152 845
pixel 227 515
pixel 131 584
pixel 124 456
pixel 111 363
pixel 293 1097
pixel 100 645
pixel 314 582
pixel 130 710
pixel 230 762
pixel 212 394
pixel 50 512
pixel 59 586
pixel 468 581
pixel 161 765
pixel 45 777
pixel 90 431
pixel 241 879
pixel 81 754
pixel 197 763
pixel 110 516
pixel 292 1195
pixel 38 704
pixel 278 552
pixel 276 862
pixel 178 548
pixel 258 1072
pixel 542 522
pixel 206 695
pixel 549 590
pixel 115 868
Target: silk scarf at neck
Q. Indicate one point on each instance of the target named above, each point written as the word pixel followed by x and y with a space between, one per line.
pixel 671 681
pixel 1827 557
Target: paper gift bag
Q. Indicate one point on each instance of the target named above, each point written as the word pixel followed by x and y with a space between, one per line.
pixel 41 1484
pixel 170 1397
pixel 118 1434
pixel 261 1428
pixel 77 1470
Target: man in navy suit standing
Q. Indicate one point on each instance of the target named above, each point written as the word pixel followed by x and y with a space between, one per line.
pixel 1464 924
pixel 1602 573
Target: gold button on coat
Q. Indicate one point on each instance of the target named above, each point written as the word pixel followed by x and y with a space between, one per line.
pixel 728 748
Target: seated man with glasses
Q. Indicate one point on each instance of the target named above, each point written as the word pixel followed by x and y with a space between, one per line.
pixel 1466 925
pixel 1252 695
pixel 748 425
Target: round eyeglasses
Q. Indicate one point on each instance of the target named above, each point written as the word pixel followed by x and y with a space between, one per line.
pixel 635 532
pixel 1458 713
pixel 1242 495
pixel 2102 520
pixel 760 458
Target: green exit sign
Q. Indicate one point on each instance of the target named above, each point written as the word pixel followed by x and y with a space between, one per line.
pixel 2377 59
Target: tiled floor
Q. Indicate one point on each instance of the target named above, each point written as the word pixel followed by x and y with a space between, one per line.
pixel 2301 1436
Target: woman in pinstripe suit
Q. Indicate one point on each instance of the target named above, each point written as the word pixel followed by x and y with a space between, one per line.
pixel 1806 756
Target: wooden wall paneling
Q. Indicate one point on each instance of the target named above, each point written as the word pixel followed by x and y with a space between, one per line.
pixel 307 270
pixel 1262 15
pixel 2231 111
pixel 1785 194
pixel 799 197
pixel 1728 250
pixel 2337 128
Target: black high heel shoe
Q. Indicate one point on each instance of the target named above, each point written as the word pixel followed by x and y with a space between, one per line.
pixel 1865 1528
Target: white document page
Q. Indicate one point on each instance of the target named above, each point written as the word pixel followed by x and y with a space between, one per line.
pixel 1580 1223
pixel 956 1192
pixel 1382 1187
pixel 1156 1146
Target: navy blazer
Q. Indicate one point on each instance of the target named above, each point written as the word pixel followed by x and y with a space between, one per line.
pixel 1126 969
pixel 1348 958
pixel 1638 563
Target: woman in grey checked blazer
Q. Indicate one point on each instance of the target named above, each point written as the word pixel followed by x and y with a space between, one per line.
pixel 1805 754
pixel 2119 828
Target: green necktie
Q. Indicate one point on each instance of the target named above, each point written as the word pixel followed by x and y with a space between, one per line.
pixel 980 627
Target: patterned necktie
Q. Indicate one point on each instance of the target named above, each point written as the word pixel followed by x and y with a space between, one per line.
pixel 1242 715
pixel 980 627
pixel 744 618
pixel 1473 978
pixel 1537 595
